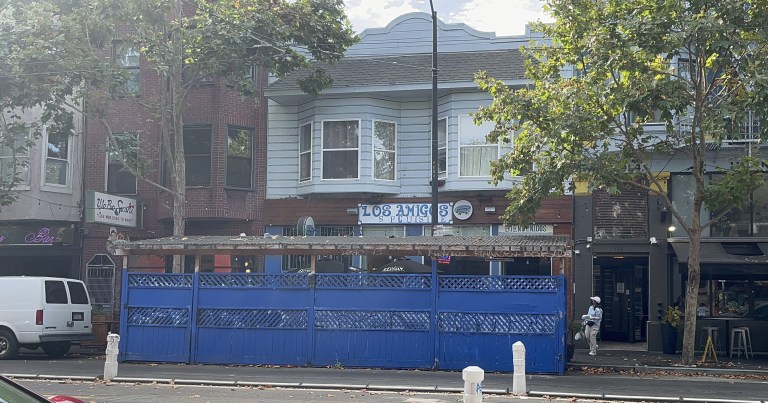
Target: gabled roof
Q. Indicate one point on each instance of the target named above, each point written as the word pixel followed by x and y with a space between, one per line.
pixel 403 70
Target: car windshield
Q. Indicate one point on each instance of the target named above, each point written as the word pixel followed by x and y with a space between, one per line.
pixel 13 393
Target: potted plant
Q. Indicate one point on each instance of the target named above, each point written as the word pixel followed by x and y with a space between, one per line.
pixel 670 321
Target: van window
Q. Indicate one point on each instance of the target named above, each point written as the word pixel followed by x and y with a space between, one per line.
pixel 55 293
pixel 77 293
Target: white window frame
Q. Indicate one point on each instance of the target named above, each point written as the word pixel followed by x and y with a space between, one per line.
pixel 323 149
pixel 106 165
pixel 308 151
pixel 25 177
pixel 44 164
pixel 469 120
pixel 382 150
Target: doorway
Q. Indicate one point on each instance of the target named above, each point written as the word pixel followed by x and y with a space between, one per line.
pixel 622 283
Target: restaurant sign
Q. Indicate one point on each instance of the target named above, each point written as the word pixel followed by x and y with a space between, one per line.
pixel 110 209
pixel 403 213
pixel 37 234
pixel 530 229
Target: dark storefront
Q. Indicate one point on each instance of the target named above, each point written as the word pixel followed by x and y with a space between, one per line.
pixel 42 248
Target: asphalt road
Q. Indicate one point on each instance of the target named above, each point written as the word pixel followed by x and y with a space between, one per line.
pixel 138 393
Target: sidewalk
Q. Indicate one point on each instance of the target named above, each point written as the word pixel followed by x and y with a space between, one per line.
pixel 623 376
pixel 633 357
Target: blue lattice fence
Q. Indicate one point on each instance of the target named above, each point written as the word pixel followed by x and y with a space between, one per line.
pixel 253 319
pixel 155 321
pixel 381 321
pixel 356 320
pixel 481 317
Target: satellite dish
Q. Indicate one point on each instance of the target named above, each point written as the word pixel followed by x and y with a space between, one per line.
pixel 306 226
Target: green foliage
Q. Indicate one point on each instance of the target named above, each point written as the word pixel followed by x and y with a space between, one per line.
pixel 605 70
pixel 613 67
pixel 672 317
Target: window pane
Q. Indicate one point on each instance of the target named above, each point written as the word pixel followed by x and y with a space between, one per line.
pixel 305 137
pixel 198 171
pixel 58 144
pixel 441 161
pixel 239 142
pixel 760 201
pixel 197 150
pixel 305 166
pixel 340 134
pixel 56 172
pixel 339 164
pixel 120 181
pixel 239 172
pixel 77 293
pixel 471 134
pixel 384 162
pixel 442 129
pixel 476 161
pixel 197 140
pixel 55 293
pixel 384 136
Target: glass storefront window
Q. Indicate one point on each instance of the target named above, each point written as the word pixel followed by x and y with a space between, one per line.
pixel 731 298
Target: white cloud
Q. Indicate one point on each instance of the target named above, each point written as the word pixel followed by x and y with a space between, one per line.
pixel 504 17
pixel 378 13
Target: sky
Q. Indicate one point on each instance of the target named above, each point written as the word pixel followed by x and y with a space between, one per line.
pixel 504 17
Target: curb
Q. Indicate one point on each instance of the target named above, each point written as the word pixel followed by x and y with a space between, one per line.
pixel 634 398
pixel 648 369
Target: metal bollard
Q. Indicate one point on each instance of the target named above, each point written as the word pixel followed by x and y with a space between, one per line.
pixel 518 361
pixel 110 366
pixel 473 387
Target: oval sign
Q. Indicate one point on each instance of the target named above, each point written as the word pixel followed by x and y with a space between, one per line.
pixel 462 209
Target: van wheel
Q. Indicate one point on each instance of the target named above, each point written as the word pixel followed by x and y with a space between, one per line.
pixel 56 349
pixel 9 346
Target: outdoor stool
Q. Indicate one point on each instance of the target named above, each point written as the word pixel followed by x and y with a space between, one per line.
pixel 741 341
pixel 713 332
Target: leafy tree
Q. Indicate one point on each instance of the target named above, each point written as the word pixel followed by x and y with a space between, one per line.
pixel 181 41
pixel 42 69
pixel 698 66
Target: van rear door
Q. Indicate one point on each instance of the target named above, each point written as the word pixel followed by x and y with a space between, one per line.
pixel 67 308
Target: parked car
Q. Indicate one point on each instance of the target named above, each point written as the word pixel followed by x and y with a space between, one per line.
pixel 12 392
pixel 45 312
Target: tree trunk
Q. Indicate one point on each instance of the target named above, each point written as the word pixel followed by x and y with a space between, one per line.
pixel 691 298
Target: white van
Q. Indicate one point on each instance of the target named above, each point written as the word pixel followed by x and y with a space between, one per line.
pixel 45 312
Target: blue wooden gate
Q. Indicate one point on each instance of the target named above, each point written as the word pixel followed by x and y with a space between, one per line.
pixel 353 320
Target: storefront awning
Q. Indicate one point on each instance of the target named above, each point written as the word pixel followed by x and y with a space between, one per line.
pixel 718 253
pixel 734 259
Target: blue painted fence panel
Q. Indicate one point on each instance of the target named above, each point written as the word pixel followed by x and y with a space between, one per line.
pixel 353 320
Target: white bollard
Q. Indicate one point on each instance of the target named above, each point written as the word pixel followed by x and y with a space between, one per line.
pixel 473 386
pixel 518 361
pixel 110 366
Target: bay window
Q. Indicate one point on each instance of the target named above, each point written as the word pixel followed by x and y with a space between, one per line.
pixel 384 154
pixel 341 149
pixel 475 152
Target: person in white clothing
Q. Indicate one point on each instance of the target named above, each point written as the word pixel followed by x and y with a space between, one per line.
pixel 592 323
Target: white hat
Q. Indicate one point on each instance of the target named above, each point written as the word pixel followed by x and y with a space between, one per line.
pixel 596 299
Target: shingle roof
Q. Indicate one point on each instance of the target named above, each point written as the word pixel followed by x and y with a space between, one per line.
pixel 484 246
pixel 414 69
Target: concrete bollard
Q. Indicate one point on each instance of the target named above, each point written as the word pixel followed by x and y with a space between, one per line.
pixel 473 387
pixel 518 361
pixel 110 366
